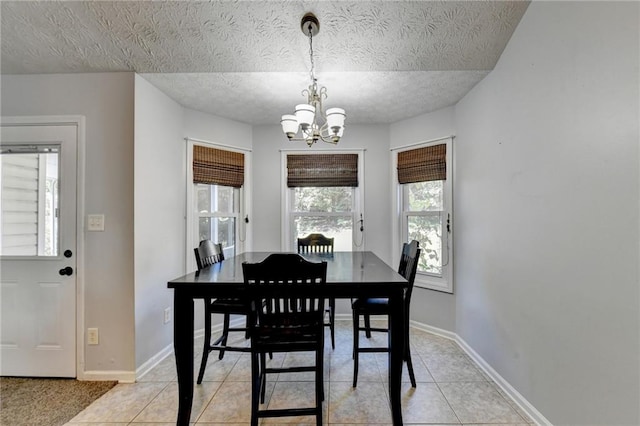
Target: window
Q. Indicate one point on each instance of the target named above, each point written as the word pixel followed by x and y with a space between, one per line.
pixel 425 199
pixel 322 195
pixel 29 200
pixel 328 211
pixel 218 209
pixel 215 198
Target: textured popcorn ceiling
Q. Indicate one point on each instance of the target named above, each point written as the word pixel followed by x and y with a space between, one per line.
pixel 382 61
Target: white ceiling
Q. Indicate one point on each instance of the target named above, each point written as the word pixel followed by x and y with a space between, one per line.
pixel 382 61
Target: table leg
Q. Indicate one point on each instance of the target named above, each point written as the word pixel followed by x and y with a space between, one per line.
pixel 396 355
pixel 183 347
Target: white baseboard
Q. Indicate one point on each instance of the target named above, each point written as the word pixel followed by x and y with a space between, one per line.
pixel 168 350
pixel 153 361
pixel 101 376
pixel 506 387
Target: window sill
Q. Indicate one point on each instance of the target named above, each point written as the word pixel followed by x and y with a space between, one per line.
pixel 431 283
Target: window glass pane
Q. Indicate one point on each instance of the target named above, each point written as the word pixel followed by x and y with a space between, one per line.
pixel 203 198
pixel 214 198
pixel 30 202
pixel 425 196
pixel 339 228
pixel 224 199
pixel 219 230
pixel 328 199
pixel 428 231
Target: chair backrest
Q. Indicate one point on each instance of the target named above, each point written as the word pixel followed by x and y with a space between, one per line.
pixel 280 284
pixel 207 253
pixel 315 243
pixel 409 266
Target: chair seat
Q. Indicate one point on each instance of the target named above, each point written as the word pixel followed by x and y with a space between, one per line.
pixel 231 306
pixel 302 328
pixel 373 305
pixel 287 342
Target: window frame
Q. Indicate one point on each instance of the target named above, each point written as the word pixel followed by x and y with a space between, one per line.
pixel 242 232
pixel 400 225
pixel 357 213
pixel 235 214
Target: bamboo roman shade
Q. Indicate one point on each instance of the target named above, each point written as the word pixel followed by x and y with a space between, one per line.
pixel 217 167
pixel 423 164
pixel 322 170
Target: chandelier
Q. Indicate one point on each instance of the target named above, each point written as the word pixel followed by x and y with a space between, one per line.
pixel 310 118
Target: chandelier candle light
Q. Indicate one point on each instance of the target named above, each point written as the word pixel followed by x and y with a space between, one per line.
pixel 311 118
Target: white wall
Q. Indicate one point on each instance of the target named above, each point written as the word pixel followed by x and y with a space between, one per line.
pixel 209 128
pixel 546 203
pixel 430 307
pixel 160 172
pixel 106 100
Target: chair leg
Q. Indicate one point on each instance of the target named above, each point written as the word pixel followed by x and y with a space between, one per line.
pixel 367 325
pixel 225 334
pixel 263 377
pixel 319 384
pixel 412 376
pixel 332 320
pixel 407 353
pixel 255 388
pixel 356 326
pixel 207 340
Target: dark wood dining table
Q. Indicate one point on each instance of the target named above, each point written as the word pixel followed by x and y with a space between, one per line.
pixel 349 275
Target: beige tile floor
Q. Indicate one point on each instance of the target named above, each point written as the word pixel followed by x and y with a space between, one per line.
pixel 451 389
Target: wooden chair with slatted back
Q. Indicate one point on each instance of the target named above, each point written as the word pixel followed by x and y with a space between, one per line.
pixel 318 243
pixel 289 318
pixel 207 254
pixel 380 306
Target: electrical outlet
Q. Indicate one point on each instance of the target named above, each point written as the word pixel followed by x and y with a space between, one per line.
pixel 167 315
pixel 92 336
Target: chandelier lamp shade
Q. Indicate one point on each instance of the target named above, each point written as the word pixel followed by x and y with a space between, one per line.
pixel 310 119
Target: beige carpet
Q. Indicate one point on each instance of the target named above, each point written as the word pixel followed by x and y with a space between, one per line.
pixel 46 402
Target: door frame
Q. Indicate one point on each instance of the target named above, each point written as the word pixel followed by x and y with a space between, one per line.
pixel 79 122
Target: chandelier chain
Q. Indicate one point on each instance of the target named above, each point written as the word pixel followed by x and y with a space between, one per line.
pixel 312 72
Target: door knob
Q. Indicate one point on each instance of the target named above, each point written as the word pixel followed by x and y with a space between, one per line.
pixel 66 271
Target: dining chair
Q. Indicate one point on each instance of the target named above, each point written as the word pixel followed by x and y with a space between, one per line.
pixel 287 316
pixel 380 306
pixel 209 253
pixel 318 243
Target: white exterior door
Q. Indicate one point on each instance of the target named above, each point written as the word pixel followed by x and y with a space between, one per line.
pixel 38 250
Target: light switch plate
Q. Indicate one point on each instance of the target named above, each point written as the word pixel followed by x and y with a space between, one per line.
pixel 95 222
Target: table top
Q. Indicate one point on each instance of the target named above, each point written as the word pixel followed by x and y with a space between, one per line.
pixel 345 270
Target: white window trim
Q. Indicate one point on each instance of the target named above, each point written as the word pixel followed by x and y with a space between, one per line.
pixel 445 284
pixel 358 208
pixel 246 208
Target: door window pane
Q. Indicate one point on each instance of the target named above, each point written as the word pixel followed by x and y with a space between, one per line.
pixel 29 189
